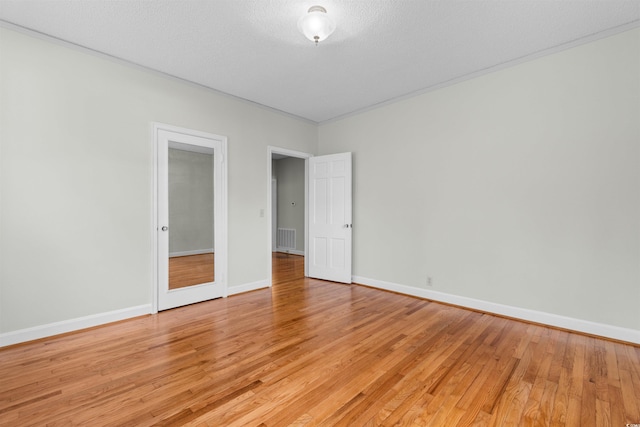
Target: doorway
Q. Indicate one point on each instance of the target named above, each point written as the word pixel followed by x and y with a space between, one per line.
pixel 287 228
pixel 327 214
pixel 190 218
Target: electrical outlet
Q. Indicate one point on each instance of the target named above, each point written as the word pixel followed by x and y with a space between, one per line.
pixel 429 281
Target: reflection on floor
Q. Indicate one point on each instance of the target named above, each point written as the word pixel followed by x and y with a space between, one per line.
pixel 190 270
pixel 286 267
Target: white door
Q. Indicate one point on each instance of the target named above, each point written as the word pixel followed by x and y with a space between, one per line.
pixel 191 263
pixel 330 225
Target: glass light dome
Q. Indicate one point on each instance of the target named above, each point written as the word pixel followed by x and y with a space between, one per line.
pixel 316 25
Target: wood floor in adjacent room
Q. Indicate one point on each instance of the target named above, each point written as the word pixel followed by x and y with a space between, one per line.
pixel 307 352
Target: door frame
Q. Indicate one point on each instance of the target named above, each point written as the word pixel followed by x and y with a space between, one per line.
pixel 300 155
pixel 221 243
pixel 274 213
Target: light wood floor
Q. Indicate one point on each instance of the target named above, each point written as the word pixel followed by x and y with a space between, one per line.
pixel 191 270
pixel 308 352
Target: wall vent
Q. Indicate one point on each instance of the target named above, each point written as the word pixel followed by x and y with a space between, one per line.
pixel 286 238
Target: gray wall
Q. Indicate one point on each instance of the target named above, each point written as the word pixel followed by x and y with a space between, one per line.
pixel 76 178
pixel 290 175
pixel 190 202
pixel 520 187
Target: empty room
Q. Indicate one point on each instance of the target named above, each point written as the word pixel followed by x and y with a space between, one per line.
pixel 320 213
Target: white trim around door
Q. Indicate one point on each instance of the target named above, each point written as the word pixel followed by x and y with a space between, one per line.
pixel 287 153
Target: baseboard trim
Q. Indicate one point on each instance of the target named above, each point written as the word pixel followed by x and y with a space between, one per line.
pixel 578 325
pixel 290 251
pixel 187 253
pixel 247 287
pixel 56 328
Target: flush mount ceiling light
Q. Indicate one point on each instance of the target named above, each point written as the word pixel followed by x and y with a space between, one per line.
pixel 316 25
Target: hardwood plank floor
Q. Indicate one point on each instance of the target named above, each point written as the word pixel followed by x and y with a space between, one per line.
pixel 307 352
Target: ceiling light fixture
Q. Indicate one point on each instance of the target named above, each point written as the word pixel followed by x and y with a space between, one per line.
pixel 316 25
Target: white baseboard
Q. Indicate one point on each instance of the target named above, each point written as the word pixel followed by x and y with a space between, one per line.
pixel 290 251
pixel 187 253
pixel 42 331
pixel 56 328
pixel 247 287
pixel 585 326
pixel 578 325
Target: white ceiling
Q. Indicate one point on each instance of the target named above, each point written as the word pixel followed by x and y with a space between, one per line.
pixel 381 50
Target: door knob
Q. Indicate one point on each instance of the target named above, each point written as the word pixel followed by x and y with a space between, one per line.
pixel 164 228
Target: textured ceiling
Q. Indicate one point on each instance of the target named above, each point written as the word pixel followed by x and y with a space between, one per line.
pixel 380 51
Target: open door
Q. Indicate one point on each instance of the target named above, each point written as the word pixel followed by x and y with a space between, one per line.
pixel 330 227
pixel 191 222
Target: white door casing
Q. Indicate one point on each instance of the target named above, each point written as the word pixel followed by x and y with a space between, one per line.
pixel 274 213
pixel 330 222
pixel 271 151
pixel 166 136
